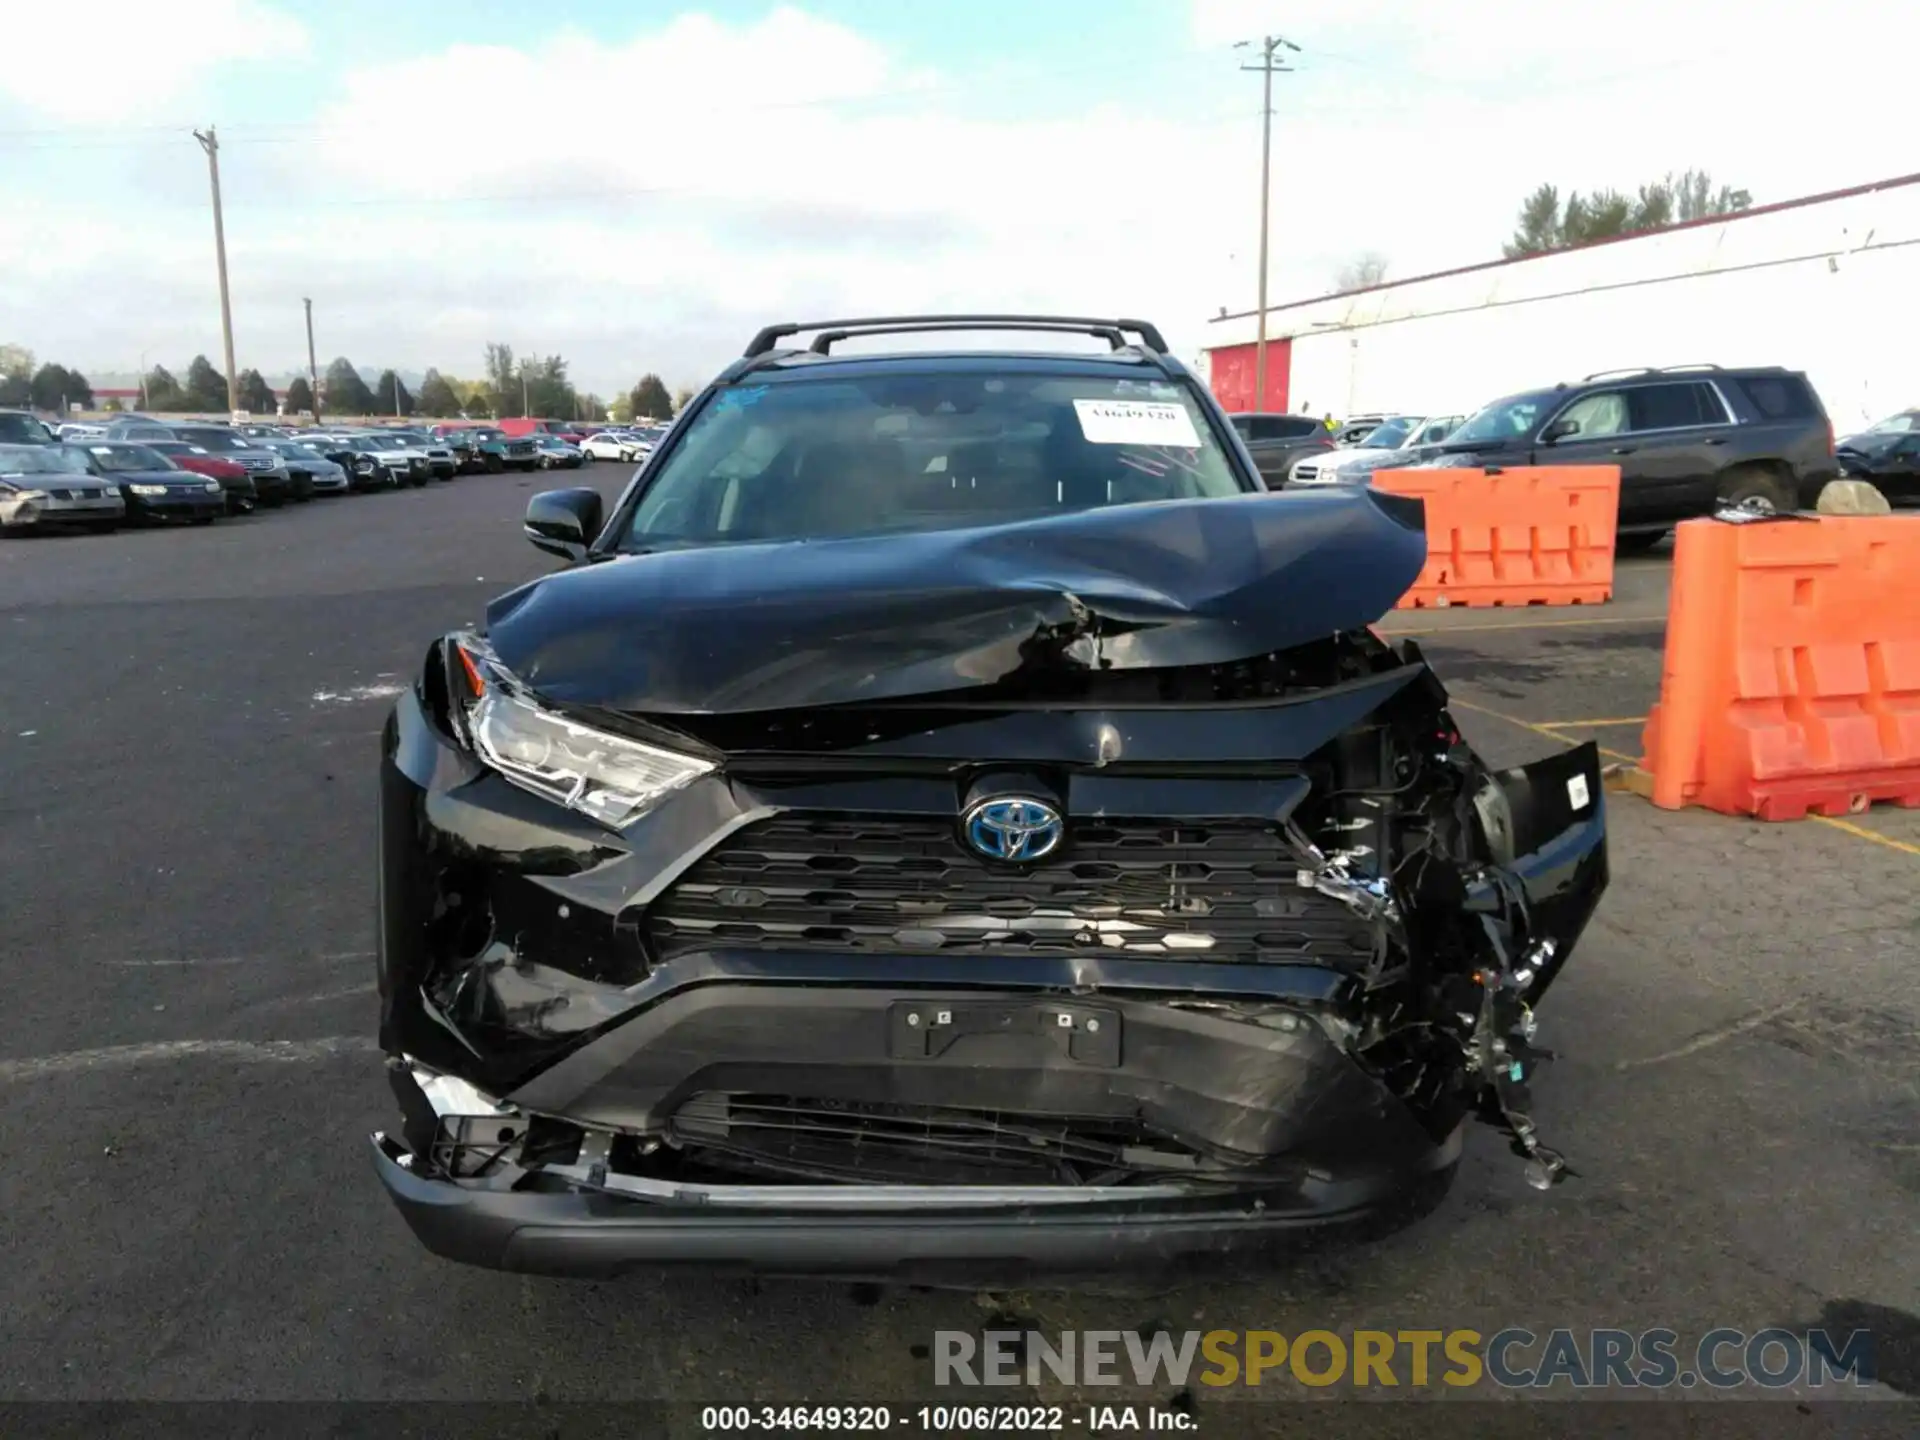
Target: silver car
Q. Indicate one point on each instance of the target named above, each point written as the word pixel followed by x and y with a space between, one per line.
pixel 406 464
pixel 42 485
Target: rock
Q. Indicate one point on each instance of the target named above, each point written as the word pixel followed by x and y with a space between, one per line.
pixel 1852 497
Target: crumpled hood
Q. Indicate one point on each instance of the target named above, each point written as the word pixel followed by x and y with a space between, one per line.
pixel 730 628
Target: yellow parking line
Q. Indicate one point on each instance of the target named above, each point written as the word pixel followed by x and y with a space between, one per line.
pixel 1590 724
pixel 1547 731
pixel 1521 625
pixel 1866 834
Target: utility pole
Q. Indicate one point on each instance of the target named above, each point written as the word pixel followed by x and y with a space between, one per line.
pixel 1268 68
pixel 313 370
pixel 210 143
pixel 524 403
pixel 396 395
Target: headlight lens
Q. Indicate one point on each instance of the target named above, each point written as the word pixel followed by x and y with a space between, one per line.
pixel 610 778
pixel 212 485
pixel 148 489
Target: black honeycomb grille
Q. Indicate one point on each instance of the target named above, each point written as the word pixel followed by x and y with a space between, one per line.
pixel 1218 891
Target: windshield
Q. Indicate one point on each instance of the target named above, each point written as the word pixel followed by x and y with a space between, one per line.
pixel 1905 423
pixel 23 428
pixel 128 457
pixel 814 459
pixel 1389 434
pixel 217 441
pixel 1505 419
pixel 40 460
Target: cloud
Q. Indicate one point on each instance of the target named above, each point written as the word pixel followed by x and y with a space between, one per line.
pixel 133 59
pixel 645 202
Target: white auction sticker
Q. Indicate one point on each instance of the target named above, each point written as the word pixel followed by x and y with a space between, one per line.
pixel 1577 794
pixel 1136 422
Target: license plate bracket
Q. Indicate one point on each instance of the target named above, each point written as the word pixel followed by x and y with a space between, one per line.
pixel 928 1029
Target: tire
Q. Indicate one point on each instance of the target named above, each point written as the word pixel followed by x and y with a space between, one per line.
pixel 495 464
pixel 1640 542
pixel 202 520
pixel 1756 483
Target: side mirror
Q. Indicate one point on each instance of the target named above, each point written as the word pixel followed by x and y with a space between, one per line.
pixel 564 522
pixel 1559 430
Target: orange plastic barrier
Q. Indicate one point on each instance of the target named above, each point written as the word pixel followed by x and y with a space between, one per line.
pixel 1792 674
pixel 1530 535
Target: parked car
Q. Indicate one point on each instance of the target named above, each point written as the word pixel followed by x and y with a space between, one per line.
pixel 499 451
pixel 1276 441
pixel 467 455
pixel 442 462
pixel 156 490
pixel 22 427
pixel 272 481
pixel 140 429
pixel 77 430
pixel 364 472
pixel 1687 440
pixel 43 486
pixel 1398 440
pixel 1356 428
pixel 612 445
pixel 557 454
pixel 313 473
pixel 968 822
pixel 405 463
pixel 1888 454
pixel 236 482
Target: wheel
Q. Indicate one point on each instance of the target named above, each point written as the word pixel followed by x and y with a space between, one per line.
pixel 301 497
pixel 242 506
pixel 495 464
pixel 1758 489
pixel 420 480
pixel 104 527
pixel 203 520
pixel 1639 542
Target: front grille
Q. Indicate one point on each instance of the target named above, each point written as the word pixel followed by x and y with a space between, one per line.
pixel 255 462
pixel 881 1143
pixel 1219 890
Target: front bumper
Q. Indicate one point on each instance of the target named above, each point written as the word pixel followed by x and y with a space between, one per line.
pixel 511 958
pixel 56 506
pixel 587 1235
pixel 187 505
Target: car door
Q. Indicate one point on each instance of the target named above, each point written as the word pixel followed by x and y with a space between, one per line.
pixel 1678 439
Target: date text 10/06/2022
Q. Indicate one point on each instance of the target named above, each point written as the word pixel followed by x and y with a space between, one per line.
pixel 933 1419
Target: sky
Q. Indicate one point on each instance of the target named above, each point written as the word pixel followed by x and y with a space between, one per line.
pixel 639 185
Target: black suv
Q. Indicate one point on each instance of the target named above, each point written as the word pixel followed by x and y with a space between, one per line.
pixel 1686 439
pixel 1276 441
pixel 949 821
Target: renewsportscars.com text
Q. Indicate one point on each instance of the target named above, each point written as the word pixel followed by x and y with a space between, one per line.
pixel 1515 1358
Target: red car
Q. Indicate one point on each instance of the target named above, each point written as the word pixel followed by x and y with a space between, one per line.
pixel 234 480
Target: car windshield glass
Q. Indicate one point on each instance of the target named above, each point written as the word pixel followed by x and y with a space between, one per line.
pixel 1902 424
pixel 484 435
pixel 1504 419
pixel 40 460
pixel 128 457
pixel 1388 435
pixel 23 428
pixel 822 458
pixel 218 441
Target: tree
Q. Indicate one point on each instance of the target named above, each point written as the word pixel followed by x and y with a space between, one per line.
pixel 346 392
pixel 1545 224
pixel 390 397
pixel 205 389
pixel 256 396
pixel 437 397
pixel 503 381
pixel 1362 272
pixel 546 390
pixel 650 400
pixel 54 387
pixel 16 376
pixel 163 391
pixel 682 398
pixel 299 397
pixel 478 396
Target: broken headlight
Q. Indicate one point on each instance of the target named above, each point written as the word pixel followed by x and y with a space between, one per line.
pixel 608 777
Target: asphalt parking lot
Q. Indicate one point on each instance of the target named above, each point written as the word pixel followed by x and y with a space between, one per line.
pixel 188 722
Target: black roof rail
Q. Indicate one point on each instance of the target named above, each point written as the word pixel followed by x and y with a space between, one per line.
pixel 1651 370
pixel 764 342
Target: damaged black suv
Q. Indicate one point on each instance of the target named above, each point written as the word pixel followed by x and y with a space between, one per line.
pixel 950 819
